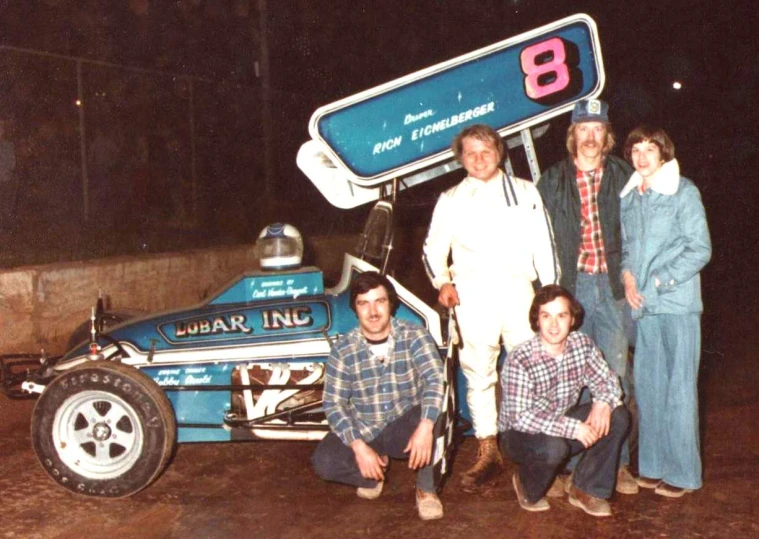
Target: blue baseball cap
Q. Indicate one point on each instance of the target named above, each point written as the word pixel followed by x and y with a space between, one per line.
pixel 590 110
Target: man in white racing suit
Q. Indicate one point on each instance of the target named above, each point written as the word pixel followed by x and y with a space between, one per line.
pixel 500 238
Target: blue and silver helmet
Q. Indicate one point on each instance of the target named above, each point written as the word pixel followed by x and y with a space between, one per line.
pixel 279 246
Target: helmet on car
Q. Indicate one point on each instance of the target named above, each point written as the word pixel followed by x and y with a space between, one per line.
pixel 279 246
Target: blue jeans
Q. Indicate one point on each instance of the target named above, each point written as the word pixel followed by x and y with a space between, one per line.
pixel 667 355
pixel 604 324
pixel 335 461
pixel 540 456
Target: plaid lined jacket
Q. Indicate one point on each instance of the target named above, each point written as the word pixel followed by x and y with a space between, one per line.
pixel 364 393
pixel 539 389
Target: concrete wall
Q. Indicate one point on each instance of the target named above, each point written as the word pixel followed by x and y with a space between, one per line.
pixel 40 306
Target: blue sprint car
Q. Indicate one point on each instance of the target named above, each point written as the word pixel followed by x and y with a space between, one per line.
pixel 246 364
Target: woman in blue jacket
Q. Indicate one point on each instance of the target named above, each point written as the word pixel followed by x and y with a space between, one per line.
pixel 665 244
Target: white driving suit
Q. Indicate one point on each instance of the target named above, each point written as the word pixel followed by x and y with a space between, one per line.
pixel 501 240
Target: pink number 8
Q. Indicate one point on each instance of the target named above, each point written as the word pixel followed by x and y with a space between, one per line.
pixel 532 82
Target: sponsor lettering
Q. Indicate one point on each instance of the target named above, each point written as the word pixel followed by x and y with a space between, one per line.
pixel 287 318
pixel 234 323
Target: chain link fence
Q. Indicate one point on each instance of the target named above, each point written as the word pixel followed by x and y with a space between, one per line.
pixel 98 158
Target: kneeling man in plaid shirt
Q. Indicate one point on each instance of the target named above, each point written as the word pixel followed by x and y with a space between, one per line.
pixel 540 423
pixel 382 395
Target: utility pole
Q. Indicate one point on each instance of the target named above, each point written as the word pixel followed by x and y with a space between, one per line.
pixel 266 98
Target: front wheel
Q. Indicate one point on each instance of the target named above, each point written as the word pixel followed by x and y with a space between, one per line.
pixel 103 429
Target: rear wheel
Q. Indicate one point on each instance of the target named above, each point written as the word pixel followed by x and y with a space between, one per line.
pixel 103 429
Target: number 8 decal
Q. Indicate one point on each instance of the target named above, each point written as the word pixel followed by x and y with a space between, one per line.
pixel 544 65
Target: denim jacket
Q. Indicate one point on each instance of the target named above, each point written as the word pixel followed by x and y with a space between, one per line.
pixel 665 239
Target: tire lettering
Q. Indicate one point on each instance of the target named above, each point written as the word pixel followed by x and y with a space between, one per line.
pixel 139 398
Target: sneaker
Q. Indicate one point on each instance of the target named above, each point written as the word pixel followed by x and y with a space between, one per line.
pixel 558 487
pixel 626 483
pixel 489 463
pixel 648 482
pixel 540 505
pixel 669 491
pixel 596 507
pixel 370 493
pixel 429 505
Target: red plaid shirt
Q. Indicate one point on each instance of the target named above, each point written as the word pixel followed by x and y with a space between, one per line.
pixel 592 256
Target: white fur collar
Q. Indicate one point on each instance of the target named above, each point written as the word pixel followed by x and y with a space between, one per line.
pixel 666 180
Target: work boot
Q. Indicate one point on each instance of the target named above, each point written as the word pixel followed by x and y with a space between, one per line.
pixel 489 463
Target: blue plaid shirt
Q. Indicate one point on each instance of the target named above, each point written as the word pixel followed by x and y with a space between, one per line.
pixel 363 394
pixel 539 389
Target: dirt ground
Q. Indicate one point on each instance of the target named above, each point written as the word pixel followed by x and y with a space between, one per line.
pixel 268 489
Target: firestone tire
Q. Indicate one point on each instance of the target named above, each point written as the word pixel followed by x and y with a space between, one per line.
pixel 103 429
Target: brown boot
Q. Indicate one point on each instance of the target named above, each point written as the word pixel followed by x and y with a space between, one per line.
pixel 489 463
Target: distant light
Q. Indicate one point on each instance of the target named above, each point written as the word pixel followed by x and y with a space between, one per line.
pixel 78 102
pixel 677 85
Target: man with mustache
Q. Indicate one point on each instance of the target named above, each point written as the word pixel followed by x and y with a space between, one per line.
pixel 581 194
pixel 383 392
